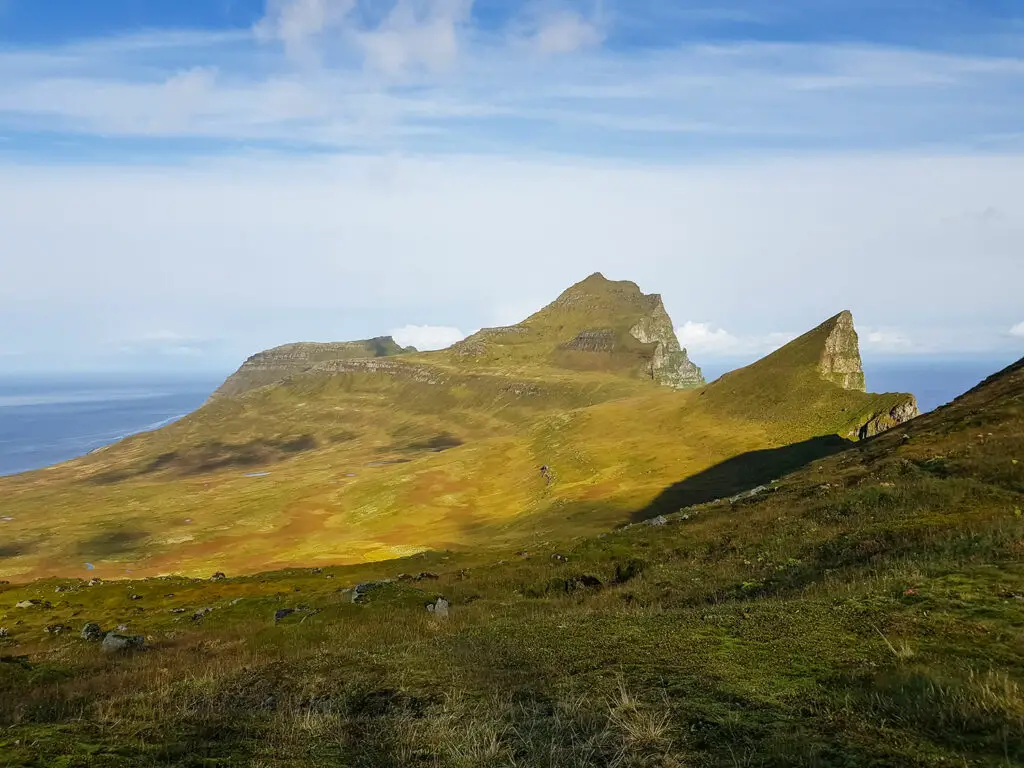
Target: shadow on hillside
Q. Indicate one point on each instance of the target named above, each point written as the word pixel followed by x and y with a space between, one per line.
pixel 215 455
pixel 740 473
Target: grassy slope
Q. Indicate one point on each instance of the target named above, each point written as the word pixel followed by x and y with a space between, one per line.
pixel 437 451
pixel 867 611
pixel 177 501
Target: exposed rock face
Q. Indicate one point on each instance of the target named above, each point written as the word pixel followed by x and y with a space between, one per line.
pixel 274 365
pixel 882 422
pixel 840 356
pixel 670 364
pixel 596 340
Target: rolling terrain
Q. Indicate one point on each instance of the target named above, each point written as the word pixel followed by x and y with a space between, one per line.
pixel 864 610
pixel 325 454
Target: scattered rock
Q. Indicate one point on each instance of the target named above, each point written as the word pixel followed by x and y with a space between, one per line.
pixel 405 577
pixel 122 627
pixel 218 576
pixel 629 571
pixel 360 591
pixel 4 632
pixel 560 558
pixel 91 632
pixel 115 643
pixel 329 576
pixel 168 597
pixel 135 597
pixel 179 610
pixel 29 604
pixel 658 521
pixel 283 613
pixel 95 581
pixel 427 575
pixel 522 554
pixel 57 629
pixel 439 608
pixel 316 570
pixel 202 612
pixel 61 588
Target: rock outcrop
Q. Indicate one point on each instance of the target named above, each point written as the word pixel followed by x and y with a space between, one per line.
pixel 888 419
pixel 840 355
pixel 275 365
pixel 670 365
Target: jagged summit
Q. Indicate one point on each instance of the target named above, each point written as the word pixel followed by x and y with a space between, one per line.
pixel 840 354
pixel 596 324
pixel 274 365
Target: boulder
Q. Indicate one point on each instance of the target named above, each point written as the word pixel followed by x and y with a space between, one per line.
pixel 427 576
pixel 439 608
pixel 115 643
pixel 92 632
pixel 283 613
pixel 658 521
pixel 201 613
pixel 218 576
pixel 29 604
pixel 4 632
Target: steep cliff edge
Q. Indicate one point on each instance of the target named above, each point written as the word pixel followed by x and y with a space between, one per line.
pixel 596 324
pixel 274 365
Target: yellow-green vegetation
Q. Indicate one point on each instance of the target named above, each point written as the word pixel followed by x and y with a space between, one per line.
pixel 348 460
pixel 866 610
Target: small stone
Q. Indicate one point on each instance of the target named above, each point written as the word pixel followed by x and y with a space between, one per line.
pixel 122 627
pixel 283 613
pixel 29 604
pixel 218 576
pixel 317 570
pixel 179 610
pixel 201 613
pixel 56 629
pixel 427 575
pixel 658 521
pixel 91 632
pixel 4 632
pixel 135 597
pixel 95 582
pixel 61 588
pixel 560 558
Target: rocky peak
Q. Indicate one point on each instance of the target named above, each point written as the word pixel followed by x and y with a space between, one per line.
pixel 840 360
pixel 596 324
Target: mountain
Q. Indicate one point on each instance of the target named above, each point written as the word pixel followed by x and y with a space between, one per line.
pixel 864 610
pixel 363 451
pixel 597 324
pixel 815 384
pixel 274 365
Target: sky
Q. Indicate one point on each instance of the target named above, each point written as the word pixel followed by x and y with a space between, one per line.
pixel 186 182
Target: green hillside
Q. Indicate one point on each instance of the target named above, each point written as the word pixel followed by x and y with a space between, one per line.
pixel 862 611
pixel 346 459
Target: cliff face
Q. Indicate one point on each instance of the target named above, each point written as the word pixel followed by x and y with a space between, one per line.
pixel 670 365
pixel 840 354
pixel 596 324
pixel 274 365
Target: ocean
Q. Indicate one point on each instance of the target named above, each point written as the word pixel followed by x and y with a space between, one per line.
pixel 47 420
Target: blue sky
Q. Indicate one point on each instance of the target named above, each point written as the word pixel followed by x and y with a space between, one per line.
pixel 183 182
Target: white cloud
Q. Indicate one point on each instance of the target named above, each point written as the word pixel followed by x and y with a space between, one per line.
pixel 426 337
pixel 566 32
pixel 164 344
pixel 1018 330
pixel 705 339
pixel 486 89
pixel 886 340
pixel 260 251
